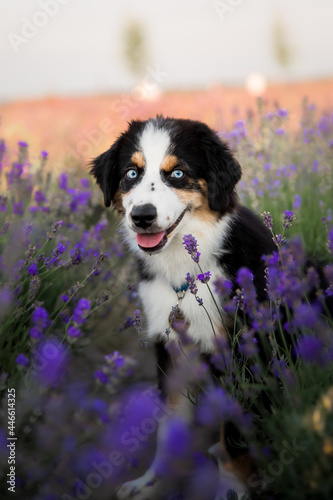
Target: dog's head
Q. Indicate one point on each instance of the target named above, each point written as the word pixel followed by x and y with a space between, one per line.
pixel 163 170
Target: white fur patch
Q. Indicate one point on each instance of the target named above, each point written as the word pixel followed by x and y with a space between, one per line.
pixel 170 267
pixel 154 144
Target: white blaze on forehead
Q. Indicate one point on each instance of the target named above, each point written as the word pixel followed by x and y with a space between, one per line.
pixel 154 144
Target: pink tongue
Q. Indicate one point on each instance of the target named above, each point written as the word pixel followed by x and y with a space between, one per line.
pixel 149 240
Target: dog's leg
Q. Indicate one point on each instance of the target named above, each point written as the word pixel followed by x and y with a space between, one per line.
pixel 150 486
pixel 234 463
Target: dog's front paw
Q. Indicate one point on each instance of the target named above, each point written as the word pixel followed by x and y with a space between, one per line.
pixel 143 488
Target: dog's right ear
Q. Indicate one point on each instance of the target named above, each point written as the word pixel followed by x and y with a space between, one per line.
pixel 106 172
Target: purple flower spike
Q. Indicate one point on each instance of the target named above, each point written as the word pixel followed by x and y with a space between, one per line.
pixel 74 332
pixel 268 221
pixel 204 278
pixel 297 201
pixel 330 241
pixel 191 284
pixel 223 287
pixel 50 362
pixel 306 316
pixel 39 197
pixel 283 113
pixel 84 183
pixel 62 180
pixel 288 218
pixel 22 360
pixel 44 154
pixel 310 349
pixel 18 208
pixel 33 269
pixel 191 246
pixel 101 377
pixel 80 311
pixel 23 144
pixel 137 321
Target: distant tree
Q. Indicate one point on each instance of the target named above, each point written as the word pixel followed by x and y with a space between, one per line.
pixel 134 48
pixel 282 48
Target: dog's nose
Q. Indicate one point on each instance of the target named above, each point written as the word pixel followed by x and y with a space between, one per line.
pixel 143 215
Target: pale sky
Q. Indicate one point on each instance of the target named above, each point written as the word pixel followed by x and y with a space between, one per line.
pixel 74 47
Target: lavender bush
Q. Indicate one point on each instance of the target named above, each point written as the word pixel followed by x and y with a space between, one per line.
pixel 84 423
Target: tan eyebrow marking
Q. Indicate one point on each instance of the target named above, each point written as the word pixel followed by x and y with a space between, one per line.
pixel 169 162
pixel 138 159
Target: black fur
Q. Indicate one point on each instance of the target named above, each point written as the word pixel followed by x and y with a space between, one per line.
pixel 206 156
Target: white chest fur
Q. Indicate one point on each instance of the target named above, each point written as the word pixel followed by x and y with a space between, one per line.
pixel 169 269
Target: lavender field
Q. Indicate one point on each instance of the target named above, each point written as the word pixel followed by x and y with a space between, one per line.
pixel 79 403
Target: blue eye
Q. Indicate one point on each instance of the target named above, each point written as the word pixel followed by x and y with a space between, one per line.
pixel 131 174
pixel 177 174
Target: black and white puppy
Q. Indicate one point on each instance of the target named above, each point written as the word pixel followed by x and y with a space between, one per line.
pixel 170 178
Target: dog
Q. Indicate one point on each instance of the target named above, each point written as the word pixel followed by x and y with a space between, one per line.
pixel 169 178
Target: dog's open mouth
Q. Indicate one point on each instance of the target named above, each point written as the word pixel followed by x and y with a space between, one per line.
pixel 151 242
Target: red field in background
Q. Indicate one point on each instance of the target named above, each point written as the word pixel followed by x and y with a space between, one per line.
pixel 73 130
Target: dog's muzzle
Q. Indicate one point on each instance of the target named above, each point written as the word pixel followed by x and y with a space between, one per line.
pixel 143 216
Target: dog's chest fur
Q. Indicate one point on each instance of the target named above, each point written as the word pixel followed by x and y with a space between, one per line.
pixel 163 272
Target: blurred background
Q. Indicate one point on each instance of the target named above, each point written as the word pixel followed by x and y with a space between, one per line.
pixel 75 71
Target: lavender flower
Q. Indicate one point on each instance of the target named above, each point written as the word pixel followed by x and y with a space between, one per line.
pixel 44 154
pixel 115 359
pixel 22 360
pixel 84 183
pixel 34 286
pixel 50 362
pixel 18 208
pixel 33 269
pixel 74 332
pixel 222 286
pixel 3 201
pixel 268 221
pixel 40 197
pixel 280 131
pixel 204 278
pixel 57 225
pixel 218 406
pixel 76 254
pixel 330 241
pixel 62 181
pixel 306 316
pixel 101 377
pixel 248 346
pixel 80 311
pixel 283 113
pixel 191 246
pixel 40 317
pixel 191 284
pixel 137 321
pixel 297 201
pixel 245 280
pixel 288 218
pixel 279 240
pixel 310 349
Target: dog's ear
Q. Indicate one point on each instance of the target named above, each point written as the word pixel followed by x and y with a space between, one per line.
pixel 106 172
pixel 223 172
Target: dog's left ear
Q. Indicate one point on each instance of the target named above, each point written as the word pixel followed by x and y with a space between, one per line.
pixel 104 169
pixel 223 172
